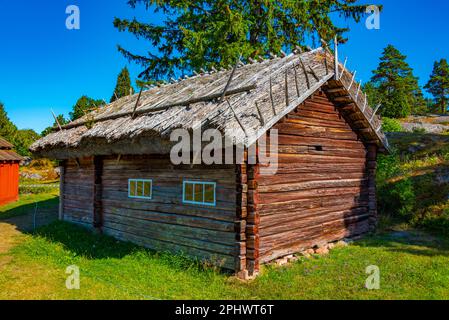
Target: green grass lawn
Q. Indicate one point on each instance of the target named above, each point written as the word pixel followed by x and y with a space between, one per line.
pixel 27 203
pixel 413 265
pixel 413 190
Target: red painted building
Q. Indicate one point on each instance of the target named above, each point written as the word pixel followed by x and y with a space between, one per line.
pixel 9 173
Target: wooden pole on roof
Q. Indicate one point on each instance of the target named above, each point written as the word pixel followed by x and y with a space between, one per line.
pixel 56 120
pixel 262 119
pixel 352 80
pixel 271 97
pixel 366 103
pixel 286 88
pixel 230 79
pixel 305 72
pixel 237 118
pixel 137 103
pixel 375 111
pixel 296 82
pixel 336 58
pixel 358 90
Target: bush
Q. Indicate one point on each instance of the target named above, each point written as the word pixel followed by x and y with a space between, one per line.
pixel 419 130
pixel 29 189
pixel 42 164
pixel 391 125
pixel 396 194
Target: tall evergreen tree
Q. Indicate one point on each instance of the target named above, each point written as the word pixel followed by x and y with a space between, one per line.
pixel 211 33
pixel 123 87
pixel 21 139
pixel 83 106
pixel 438 84
pixel 394 85
pixel 7 129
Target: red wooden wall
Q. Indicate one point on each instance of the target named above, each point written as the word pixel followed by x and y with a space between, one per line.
pixel 9 182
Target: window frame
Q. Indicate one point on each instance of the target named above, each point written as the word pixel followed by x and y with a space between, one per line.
pixel 203 183
pixel 140 180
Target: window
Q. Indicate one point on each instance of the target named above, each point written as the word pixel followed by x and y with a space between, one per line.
pixel 197 192
pixel 140 188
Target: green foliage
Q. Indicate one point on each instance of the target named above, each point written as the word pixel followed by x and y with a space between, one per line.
pixel 394 85
pixel 413 181
pixel 438 84
pixel 24 139
pixel 37 189
pixel 115 270
pixel 123 87
pixel 62 121
pixel 395 196
pixel 205 34
pixel 391 125
pixel 83 106
pixel 7 128
pixel 21 139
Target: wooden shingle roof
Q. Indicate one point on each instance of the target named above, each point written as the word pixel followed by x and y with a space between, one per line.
pixel 259 95
pixel 6 152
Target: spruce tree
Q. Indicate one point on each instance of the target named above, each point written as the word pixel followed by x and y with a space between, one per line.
pixel 438 84
pixel 210 33
pixel 123 87
pixel 394 85
pixel 83 106
pixel 7 129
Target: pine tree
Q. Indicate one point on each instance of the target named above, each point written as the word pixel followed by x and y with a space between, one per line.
pixel 210 33
pixel 438 84
pixel 123 87
pixel 83 106
pixel 394 85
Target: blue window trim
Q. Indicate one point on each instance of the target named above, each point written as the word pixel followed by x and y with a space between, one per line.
pixel 140 197
pixel 203 183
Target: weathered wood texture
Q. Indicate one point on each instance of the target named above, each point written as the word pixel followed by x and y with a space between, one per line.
pixel 323 189
pixel 165 223
pixel 78 190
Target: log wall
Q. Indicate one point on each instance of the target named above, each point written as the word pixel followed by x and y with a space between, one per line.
pixel 164 223
pixel 323 190
pixel 77 192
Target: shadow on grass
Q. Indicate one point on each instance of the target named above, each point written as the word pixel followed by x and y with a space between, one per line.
pixel 30 214
pixel 414 242
pixel 90 244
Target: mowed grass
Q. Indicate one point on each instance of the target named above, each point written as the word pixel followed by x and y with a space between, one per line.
pixel 413 265
pixel 27 203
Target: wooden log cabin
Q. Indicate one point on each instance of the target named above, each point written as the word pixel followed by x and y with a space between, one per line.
pixel 117 175
pixel 9 173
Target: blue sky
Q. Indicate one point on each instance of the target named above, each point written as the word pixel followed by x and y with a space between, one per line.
pixel 44 66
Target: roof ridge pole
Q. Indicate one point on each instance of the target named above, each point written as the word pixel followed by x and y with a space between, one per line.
pixel 336 58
